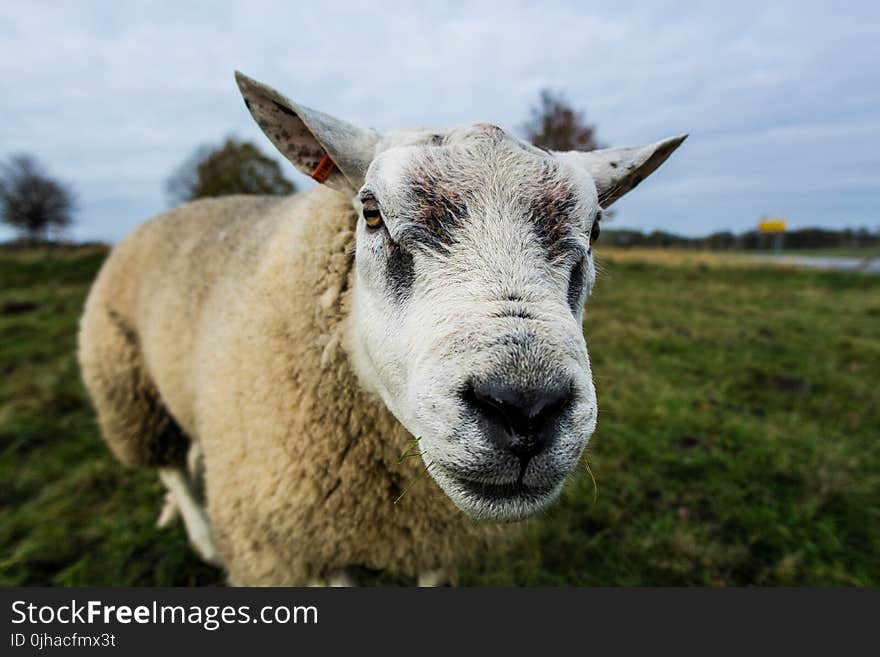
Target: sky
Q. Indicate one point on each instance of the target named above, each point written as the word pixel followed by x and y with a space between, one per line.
pixel 781 100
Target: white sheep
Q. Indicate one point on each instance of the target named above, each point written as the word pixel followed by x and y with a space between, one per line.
pixel 426 299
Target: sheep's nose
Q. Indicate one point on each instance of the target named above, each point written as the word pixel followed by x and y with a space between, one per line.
pixel 520 420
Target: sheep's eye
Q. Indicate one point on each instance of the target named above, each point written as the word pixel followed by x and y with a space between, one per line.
pixel 372 215
pixel 594 231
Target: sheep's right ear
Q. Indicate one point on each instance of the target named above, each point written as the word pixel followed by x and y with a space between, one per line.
pixel 331 151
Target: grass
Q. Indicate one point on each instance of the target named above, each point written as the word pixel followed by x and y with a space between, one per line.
pixel 737 441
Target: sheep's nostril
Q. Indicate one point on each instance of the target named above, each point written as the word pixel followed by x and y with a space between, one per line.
pixel 520 419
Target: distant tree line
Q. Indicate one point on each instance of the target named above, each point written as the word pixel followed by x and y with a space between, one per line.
pixel 40 207
pixel 804 238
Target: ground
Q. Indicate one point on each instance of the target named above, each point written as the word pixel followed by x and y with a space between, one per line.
pixel 737 441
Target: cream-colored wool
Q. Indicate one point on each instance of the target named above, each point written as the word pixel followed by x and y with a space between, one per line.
pixel 227 321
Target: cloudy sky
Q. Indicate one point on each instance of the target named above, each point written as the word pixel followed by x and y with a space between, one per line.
pixel 782 100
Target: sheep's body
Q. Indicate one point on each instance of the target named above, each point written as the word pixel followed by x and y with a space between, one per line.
pixel 262 342
pixel 226 322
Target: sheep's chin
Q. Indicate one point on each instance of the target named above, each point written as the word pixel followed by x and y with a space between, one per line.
pixel 495 503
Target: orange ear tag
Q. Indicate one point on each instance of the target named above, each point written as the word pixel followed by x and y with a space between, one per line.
pixel 324 169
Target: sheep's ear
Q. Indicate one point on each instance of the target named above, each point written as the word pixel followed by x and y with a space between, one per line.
pixel 618 170
pixel 331 151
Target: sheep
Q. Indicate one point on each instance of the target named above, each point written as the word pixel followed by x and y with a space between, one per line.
pixel 278 360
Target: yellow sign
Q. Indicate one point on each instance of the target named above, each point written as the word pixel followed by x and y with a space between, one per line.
pixel 771 226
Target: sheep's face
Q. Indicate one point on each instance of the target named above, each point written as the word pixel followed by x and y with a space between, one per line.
pixel 473 266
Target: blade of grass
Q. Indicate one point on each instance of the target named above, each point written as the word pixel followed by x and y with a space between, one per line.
pixel 413 483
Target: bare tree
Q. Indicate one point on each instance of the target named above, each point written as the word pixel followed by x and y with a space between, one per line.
pixel 234 167
pixel 31 202
pixel 555 125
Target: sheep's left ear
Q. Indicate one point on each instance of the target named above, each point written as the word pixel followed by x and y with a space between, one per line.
pixel 331 151
pixel 618 170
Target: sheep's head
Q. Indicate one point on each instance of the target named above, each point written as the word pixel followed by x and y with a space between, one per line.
pixel 473 265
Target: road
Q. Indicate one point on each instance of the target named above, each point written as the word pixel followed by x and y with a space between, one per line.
pixel 866 265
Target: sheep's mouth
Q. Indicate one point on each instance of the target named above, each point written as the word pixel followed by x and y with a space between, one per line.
pixel 506 491
pixel 505 502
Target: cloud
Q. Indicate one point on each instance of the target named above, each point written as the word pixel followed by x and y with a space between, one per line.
pixel 781 100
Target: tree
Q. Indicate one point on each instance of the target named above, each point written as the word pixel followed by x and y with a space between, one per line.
pixel 234 167
pixel 557 126
pixel 32 202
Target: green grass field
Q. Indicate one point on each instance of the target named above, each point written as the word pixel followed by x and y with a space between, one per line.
pixel 738 441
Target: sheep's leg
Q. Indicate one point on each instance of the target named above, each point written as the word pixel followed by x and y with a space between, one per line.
pixel 169 512
pixel 198 528
pixel 337 579
pixel 195 465
pixel 340 579
pixel 432 578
